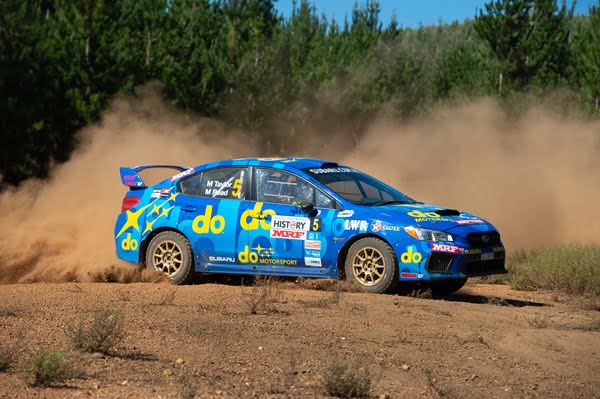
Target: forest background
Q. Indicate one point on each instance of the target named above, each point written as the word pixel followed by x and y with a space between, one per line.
pixel 240 62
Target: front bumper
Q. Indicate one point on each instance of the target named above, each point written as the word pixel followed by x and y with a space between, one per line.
pixel 473 262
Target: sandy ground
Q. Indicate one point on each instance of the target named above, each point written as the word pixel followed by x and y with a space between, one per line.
pixel 486 341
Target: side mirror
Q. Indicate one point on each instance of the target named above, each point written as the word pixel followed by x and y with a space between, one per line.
pixel 310 210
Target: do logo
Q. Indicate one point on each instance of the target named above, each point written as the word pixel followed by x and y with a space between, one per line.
pixel 202 224
pixel 411 256
pixel 128 244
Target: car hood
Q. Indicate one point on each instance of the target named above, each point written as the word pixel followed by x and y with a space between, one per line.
pixel 431 217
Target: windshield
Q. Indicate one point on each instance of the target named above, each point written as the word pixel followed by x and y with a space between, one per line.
pixel 357 187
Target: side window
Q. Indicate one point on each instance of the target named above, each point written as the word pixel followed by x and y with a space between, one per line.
pixel 277 186
pixel 274 185
pixel 323 201
pixel 192 185
pixel 372 192
pixel 222 183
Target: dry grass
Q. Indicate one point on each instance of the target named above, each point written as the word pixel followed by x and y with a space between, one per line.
pixel 101 332
pixel 185 384
pixel 46 367
pixel 263 297
pixel 7 357
pixel 344 379
pixel 573 269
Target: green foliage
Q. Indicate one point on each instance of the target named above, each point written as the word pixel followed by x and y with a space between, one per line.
pixel 586 55
pixel 573 269
pixel 529 40
pixel 46 367
pixel 101 332
pixel 62 62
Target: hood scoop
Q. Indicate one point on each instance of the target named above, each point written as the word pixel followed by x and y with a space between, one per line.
pixel 447 212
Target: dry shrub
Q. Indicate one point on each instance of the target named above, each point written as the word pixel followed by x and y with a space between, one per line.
pixel 7 357
pixel 186 387
pixel 101 332
pixel 263 296
pixel 46 367
pixel 347 379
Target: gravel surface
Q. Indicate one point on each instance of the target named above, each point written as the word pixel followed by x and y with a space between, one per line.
pixel 277 340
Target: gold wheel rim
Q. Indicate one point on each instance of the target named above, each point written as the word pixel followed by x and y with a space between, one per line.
pixel 168 258
pixel 368 266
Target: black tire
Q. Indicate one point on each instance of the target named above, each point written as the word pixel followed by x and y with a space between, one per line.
pixel 446 287
pixel 171 253
pixel 372 265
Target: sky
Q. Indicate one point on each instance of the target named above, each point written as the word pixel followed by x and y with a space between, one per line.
pixel 410 13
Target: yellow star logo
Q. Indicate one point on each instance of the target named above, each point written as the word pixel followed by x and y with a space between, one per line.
pixel 155 209
pixel 165 212
pixel 132 220
pixel 148 227
pixel 258 248
pixel 173 196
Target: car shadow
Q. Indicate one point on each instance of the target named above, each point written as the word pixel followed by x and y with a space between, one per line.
pixel 224 279
pixel 410 291
pixel 488 300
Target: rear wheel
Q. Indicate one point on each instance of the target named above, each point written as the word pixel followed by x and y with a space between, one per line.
pixel 371 263
pixel 170 253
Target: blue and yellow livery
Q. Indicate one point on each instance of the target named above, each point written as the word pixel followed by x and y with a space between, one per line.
pixel 299 217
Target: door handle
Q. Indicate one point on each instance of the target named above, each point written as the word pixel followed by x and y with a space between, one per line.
pixel 188 208
pixel 261 216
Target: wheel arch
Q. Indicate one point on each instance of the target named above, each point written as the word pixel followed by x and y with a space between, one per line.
pixel 341 260
pixel 148 239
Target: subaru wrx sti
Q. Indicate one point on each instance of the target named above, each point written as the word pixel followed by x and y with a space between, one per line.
pixel 299 217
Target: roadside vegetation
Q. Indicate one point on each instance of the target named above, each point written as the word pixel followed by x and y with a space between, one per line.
pixel 573 269
pixel 347 379
pixel 46 367
pixel 100 332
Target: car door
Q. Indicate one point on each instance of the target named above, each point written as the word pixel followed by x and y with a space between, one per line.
pixel 212 203
pixel 284 238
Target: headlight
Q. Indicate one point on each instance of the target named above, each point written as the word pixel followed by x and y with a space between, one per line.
pixel 427 235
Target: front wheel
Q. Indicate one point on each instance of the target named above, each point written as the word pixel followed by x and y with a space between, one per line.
pixel 372 264
pixel 170 253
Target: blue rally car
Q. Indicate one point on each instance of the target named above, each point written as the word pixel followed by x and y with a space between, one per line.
pixel 299 217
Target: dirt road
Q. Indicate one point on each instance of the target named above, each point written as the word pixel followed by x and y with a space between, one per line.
pixel 484 342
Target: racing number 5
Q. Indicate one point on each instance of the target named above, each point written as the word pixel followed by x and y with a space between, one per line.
pixel 237 188
pixel 315 225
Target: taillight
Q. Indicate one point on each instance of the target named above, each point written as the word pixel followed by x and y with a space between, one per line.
pixel 129 202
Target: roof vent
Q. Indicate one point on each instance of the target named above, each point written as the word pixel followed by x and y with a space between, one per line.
pixel 327 165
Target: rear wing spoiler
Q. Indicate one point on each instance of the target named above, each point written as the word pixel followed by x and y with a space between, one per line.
pixel 131 178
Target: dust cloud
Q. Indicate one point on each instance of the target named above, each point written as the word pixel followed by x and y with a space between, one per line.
pixel 61 229
pixel 536 178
